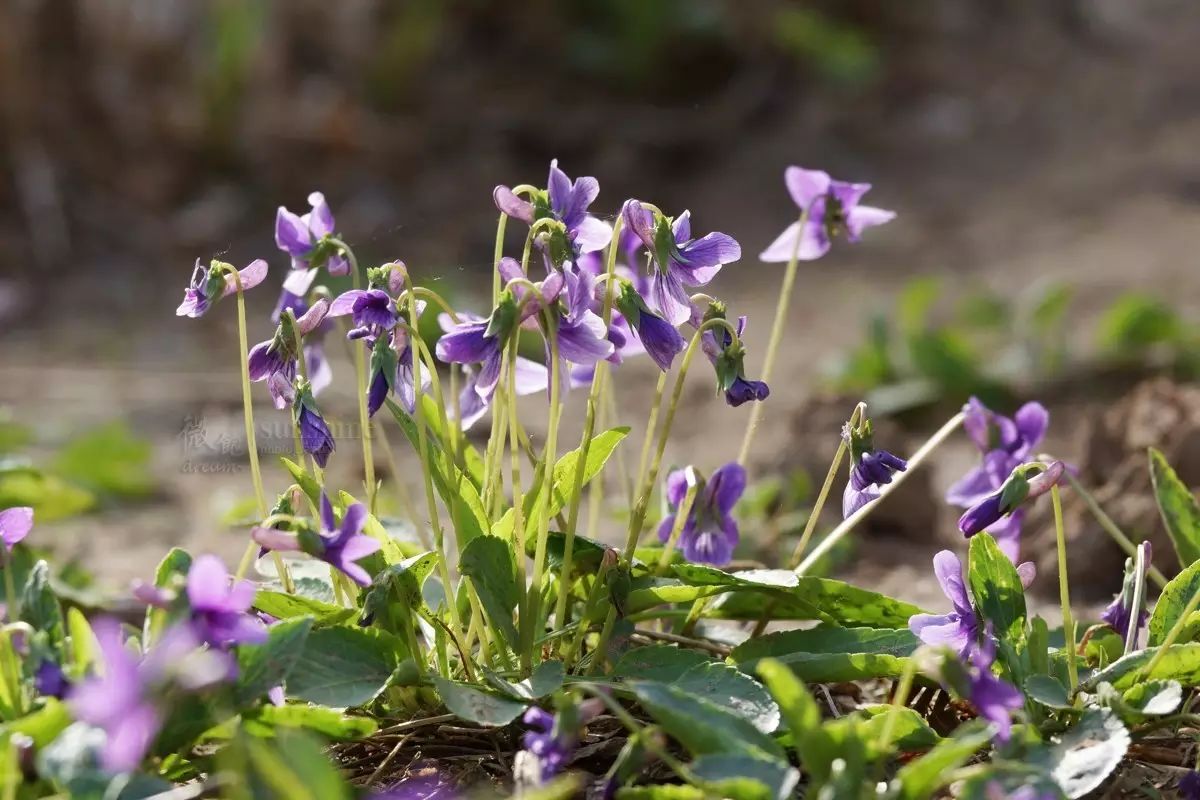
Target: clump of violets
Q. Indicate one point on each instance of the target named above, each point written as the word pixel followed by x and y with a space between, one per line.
pixel 829 209
pixel 15 525
pixel 710 533
pixel 1027 482
pixel 564 201
pixel 130 697
pixel 678 260
pixel 220 611
pixel 1004 443
pixel 870 469
pixel 340 546
pixel 210 285
pixel 1120 612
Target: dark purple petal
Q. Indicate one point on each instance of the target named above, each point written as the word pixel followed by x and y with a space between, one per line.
pixel 377 392
pixel 1189 785
pixel 745 391
pixel 49 680
pixel 1031 420
pixel 195 304
pixel 677 484
pixel 848 195
pixel 981 516
pixel 995 700
pixel 725 488
pixel 711 546
pixel 806 185
pixel 660 338
pixel 353 521
pixel 292 235
pixel 467 345
pixel 315 436
pixel 263 360
pixel 328 520
pixel 558 190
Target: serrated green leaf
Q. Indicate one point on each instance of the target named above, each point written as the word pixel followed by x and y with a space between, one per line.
pixel 922 778
pixel 997 590
pixel 1171 605
pixel 827 654
pixel 264 666
pixel 342 667
pixel 1179 509
pixel 727 687
pixel 473 704
pixel 700 726
pixel 1048 691
pixel 489 562
pixel 1180 663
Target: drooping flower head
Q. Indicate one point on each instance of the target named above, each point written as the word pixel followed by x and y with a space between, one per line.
pixel 870 469
pixel 129 698
pixel 315 436
pixel 220 612
pixel 306 239
pixel 660 339
pixel 958 630
pixel 1026 482
pixel 15 525
pixel 276 360
pixel 1120 612
pixel 710 533
pixel 678 260
pixel 1005 443
pixel 833 209
pixel 210 285
pixel 480 342
pixel 728 357
pixel 339 545
pixel 564 201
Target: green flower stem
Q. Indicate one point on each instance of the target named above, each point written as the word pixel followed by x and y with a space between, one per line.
pixel 1110 527
pixel 1063 588
pixel 681 515
pixel 427 472
pixel 810 524
pixel 638 517
pixel 610 417
pixel 549 456
pixel 360 372
pixel 248 415
pixel 589 607
pixel 651 424
pixel 517 499
pixel 781 314
pixel 599 379
pixel 497 254
pixel 10 588
pixel 851 521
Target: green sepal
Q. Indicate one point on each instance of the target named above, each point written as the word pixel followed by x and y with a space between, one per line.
pixel 503 318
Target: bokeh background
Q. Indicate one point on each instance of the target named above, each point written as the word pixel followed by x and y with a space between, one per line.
pixel 1041 155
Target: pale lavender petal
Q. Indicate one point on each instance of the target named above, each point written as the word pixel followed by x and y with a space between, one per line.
pixel 508 203
pixel 467 344
pixel 291 234
pixel 558 189
pixel 343 304
pixel 592 234
pixel 862 217
pixel 848 194
pixel 669 298
pixel 677 484
pixel 640 221
pixel 15 524
pixel 251 275
pixel 584 341
pixel 813 244
pixel 299 281
pixel 360 547
pixel 1032 421
pixel 531 377
pixel 805 185
pixel 129 738
pixel 1026 571
pixel 971 488
pixel 939 630
pixel 949 572
pixel 583 193
pixel 704 257
pixel 665 527
pixel 681 228
pixel 310 319
pixel 320 219
pixel 273 539
pixel 207 584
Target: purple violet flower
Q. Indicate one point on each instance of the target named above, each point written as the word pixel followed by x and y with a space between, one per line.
pixel 565 201
pixel 15 525
pixel 210 285
pixel 872 470
pixel 301 236
pixel 220 611
pixel 1189 785
pixel 728 359
pixel 340 546
pixel 995 699
pixel 275 360
pixel 662 342
pixel 959 629
pixel 833 210
pixel 1119 612
pixel 124 699
pixel 531 378
pixel 1006 500
pixel 372 310
pixel 581 333
pixel 680 261
pixel 469 342
pixel 551 749
pixel 49 680
pixel 710 533
pixel 315 436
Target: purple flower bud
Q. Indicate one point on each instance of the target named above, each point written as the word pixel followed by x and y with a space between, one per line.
pixel 745 391
pixel 982 515
pixel 15 525
pixel 315 436
pixel 377 392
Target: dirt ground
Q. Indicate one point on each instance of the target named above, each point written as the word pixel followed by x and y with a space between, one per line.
pixel 1070 163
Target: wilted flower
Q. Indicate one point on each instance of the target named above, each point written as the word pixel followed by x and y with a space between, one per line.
pixel 126 699
pixel 960 628
pixel 15 525
pixel 220 611
pixel 210 285
pixel 564 201
pixel 302 237
pixel 1120 611
pixel 833 210
pixel 679 260
pixel 340 546
pixel 710 533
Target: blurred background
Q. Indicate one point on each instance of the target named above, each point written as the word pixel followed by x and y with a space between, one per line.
pixel 1041 156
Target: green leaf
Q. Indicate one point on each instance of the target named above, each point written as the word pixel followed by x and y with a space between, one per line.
pixel 292 765
pixel 825 654
pixel 43 725
pixel 83 647
pixel 1138 321
pixel 52 497
pixel 286 606
pixel 818 598
pixel 263 720
pixel 1086 754
pixel 1181 663
pixel 476 705
pixel 922 778
pixel 724 686
pixel 1154 698
pixel 662 791
pixel 342 667
pixel 546 678
pixel 177 561
pixel 39 605
pixel 776 779
pixel 488 561
pixel 307 483
pixel 109 459
pixel 1048 691
pixel 600 448
pixel 701 726
pixel 658 662
pixel 1171 605
pixel 997 589
pixel 1179 509
pixel 267 665
pixel 396 593
pixel 586 554
pixel 909 730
